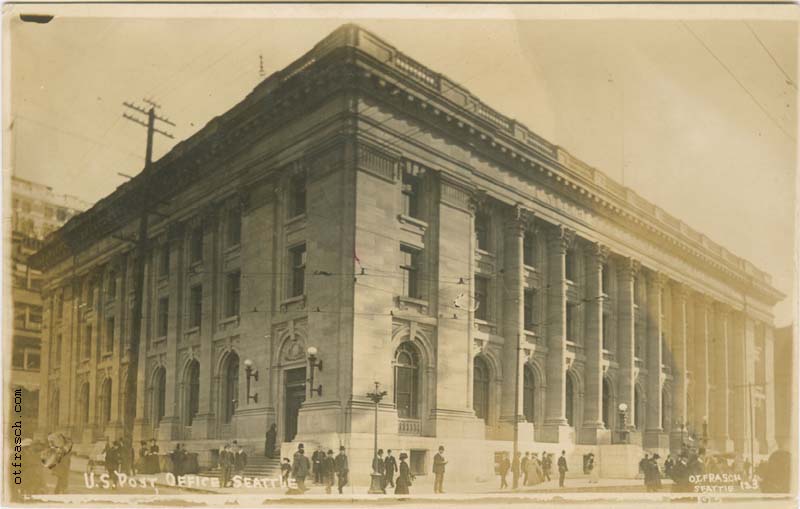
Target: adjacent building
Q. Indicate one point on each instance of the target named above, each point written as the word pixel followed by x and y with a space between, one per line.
pixel 35 212
pixel 364 205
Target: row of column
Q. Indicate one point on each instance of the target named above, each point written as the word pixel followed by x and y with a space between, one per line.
pixel 703 353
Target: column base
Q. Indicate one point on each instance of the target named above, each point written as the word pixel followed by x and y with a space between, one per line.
pixel 655 439
pixel 558 432
pixel 677 439
pixel 505 428
pixel 591 433
pixel 204 426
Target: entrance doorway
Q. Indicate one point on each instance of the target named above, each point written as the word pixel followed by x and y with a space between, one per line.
pixel 294 395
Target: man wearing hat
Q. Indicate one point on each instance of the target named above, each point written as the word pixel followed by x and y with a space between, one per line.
pixel 300 467
pixel 342 468
pixel 438 470
pixel 328 466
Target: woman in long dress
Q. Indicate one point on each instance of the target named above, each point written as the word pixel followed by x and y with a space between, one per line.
pixel 594 472
pixel 535 473
pixel 405 477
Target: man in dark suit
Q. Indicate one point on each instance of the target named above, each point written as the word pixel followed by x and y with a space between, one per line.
pixel 438 470
pixel 342 468
pixel 300 468
pixel 316 462
pixel 562 468
pixel 515 465
pixel 390 467
pixel 378 467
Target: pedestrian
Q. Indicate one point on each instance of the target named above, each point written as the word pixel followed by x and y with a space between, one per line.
pixel 155 467
pixel 112 461
pixel 286 469
pixel 523 465
pixel 378 468
pixel 748 474
pixel 316 462
pixel 562 468
pixel 533 473
pixel 177 461
pixel 141 467
pixel 405 478
pixel 668 464
pixel 342 468
pixel 594 472
pixel 224 466
pixel 389 469
pixel 439 464
pixel 652 473
pixel 56 456
pixel 515 465
pixel 328 470
pixel 269 445
pixel 505 466
pixel 239 458
pixel 300 467
pixel 547 465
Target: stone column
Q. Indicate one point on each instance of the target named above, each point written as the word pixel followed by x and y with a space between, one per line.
pixel 678 346
pixel 653 430
pixel 513 317
pixel 720 408
pixel 593 371
pixel 141 428
pixel 702 338
pixel 769 387
pixel 555 424
pixel 626 346
pixel 738 370
pixel 48 331
pixel 168 427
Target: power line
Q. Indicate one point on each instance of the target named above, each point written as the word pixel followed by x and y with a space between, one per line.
pixel 789 80
pixel 741 85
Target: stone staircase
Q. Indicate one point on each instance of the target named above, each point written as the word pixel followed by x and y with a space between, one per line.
pixel 257 466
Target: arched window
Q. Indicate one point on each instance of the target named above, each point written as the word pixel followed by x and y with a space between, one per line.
pixel 105 403
pixel 406 381
pixel 529 395
pixel 84 401
pixel 606 403
pixel 231 388
pixel 638 410
pixel 569 396
pixel 665 409
pixel 192 387
pixel 480 389
pixel 159 395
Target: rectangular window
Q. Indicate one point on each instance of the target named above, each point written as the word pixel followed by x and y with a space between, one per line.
pixel 110 335
pixel 59 305
pixel 196 306
pixel 482 231
pixel 529 315
pixel 297 190
pixel 57 350
pixel 605 333
pixel 112 285
pixel 638 352
pixel 196 245
pixel 297 259
pixel 410 270
pixel 232 293
pixel 87 342
pixel 481 298
pixel 569 265
pixel 90 294
pixel 417 462
pixel 35 316
pixel 234 227
pixel 162 322
pixel 571 322
pixel 18 357
pixel 34 360
pixel 529 249
pixel 604 284
pixel 635 291
pixel 411 195
pixel 163 263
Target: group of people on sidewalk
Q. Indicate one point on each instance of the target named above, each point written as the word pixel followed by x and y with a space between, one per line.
pixel 387 468
pixel 232 460
pixel 324 468
pixel 531 468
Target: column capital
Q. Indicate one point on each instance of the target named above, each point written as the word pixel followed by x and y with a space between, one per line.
pixel 598 253
pixel 722 309
pixel 657 279
pixel 629 267
pixel 519 219
pixel 477 201
pixel 561 237
pixel 703 301
pixel 681 290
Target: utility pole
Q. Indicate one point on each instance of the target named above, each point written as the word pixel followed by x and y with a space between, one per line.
pixel 141 253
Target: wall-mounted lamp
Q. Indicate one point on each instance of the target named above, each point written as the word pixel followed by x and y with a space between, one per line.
pixel 250 373
pixel 313 363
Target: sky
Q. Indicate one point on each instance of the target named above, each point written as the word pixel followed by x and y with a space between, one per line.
pixel 695 112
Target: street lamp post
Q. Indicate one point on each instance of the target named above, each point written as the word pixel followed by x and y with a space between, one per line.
pixel 376 483
pixel 623 423
pixel 250 373
pixel 314 363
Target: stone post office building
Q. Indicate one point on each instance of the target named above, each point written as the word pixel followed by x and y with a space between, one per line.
pixel 362 204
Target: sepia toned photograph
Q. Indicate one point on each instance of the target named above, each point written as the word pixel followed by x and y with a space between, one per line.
pixel 418 255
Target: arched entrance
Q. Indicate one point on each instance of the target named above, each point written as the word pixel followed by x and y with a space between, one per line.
pixel 529 395
pixel 294 395
pixel 569 397
pixel 607 404
pixel 105 403
pixel 159 395
pixel 191 399
pixel 230 387
pixel 406 381
pixel 480 389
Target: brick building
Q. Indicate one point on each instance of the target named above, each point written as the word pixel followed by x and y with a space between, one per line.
pixel 359 203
